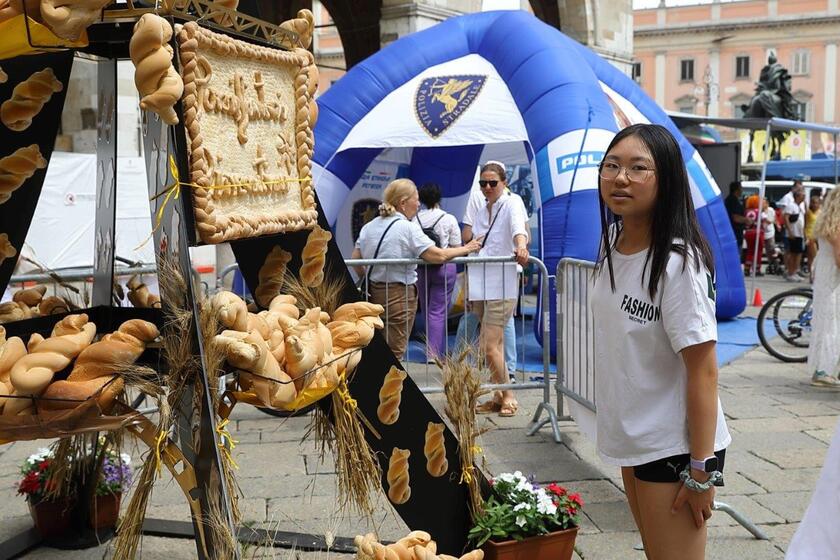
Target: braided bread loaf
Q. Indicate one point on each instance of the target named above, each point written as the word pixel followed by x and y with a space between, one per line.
pixel 28 98
pixel 230 310
pixel 314 255
pixel 18 167
pixel 69 18
pixel 272 275
pixel 31 374
pixel 399 485
pixel 139 294
pixel 352 328
pixel 435 450
pixel 390 396
pixel 7 250
pixel 159 84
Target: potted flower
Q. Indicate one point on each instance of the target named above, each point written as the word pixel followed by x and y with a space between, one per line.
pixel 521 520
pixel 53 515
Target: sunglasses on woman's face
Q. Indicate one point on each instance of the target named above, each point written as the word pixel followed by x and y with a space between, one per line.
pixel 491 184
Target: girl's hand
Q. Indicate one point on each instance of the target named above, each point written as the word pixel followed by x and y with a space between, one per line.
pixel 700 504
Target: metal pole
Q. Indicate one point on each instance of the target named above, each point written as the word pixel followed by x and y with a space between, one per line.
pixel 761 190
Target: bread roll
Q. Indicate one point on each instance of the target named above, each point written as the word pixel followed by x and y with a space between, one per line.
pixel 314 255
pixel 70 394
pixel 399 486
pixel 7 250
pixel 390 396
pixel 230 310
pixel 272 276
pixel 52 305
pixel 435 450
pixel 30 296
pixel 68 19
pixel 159 85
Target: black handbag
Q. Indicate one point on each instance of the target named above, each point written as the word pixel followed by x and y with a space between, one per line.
pixel 363 285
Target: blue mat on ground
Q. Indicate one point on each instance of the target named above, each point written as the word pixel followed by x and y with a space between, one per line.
pixel 735 338
pixel 530 360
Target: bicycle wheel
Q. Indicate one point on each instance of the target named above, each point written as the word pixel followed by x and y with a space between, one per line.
pixel 790 314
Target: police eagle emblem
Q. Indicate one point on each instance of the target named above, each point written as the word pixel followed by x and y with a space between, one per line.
pixel 441 100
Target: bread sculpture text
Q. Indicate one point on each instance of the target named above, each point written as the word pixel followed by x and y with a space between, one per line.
pixel 7 250
pixel 139 294
pixel 390 396
pixel 272 275
pixel 17 167
pixel 159 85
pixel 314 256
pixel 98 365
pixel 417 545
pixel 352 329
pixel 435 450
pixel 31 374
pixel 399 484
pixel 69 18
pixel 28 98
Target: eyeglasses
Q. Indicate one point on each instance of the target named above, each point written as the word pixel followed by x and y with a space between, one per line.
pixel 491 184
pixel 610 172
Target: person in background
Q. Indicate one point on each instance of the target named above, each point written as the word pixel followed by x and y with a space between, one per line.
pixel 392 235
pixel 769 221
pixel 468 325
pixel 436 283
pixel 494 288
pixel 793 211
pixel 754 236
pixel 735 209
pixel 824 350
pixel 810 241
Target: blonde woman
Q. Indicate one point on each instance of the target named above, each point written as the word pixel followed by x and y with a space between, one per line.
pixel 824 351
pixel 393 235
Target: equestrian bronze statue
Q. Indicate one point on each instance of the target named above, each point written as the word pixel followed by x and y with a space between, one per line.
pixel 772 99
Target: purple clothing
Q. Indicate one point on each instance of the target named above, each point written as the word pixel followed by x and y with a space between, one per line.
pixel 434 291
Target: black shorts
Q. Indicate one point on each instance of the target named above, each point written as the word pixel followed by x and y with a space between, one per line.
pixel 669 468
pixel 796 245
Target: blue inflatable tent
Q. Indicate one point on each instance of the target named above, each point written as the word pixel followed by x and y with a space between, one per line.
pixel 496 85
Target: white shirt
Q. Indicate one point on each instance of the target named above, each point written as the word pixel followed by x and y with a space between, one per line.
pixel 789 206
pixel 769 223
pixel 496 281
pixel 446 227
pixel 640 377
pixel 405 240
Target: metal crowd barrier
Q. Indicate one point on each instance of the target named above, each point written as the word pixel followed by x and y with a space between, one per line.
pixel 520 381
pixel 576 353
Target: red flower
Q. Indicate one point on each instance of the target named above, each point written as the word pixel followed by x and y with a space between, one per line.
pixel 30 484
pixel 43 465
pixel 556 490
pixel 576 499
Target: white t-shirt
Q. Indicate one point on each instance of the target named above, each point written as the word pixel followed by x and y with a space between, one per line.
pixel 640 376
pixel 445 226
pixel 497 281
pixel 405 240
pixel 769 223
pixel 789 206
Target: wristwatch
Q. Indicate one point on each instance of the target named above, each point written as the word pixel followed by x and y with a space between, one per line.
pixel 707 465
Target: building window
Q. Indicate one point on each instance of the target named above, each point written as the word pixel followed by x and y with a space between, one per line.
pixel 738 102
pixel 687 70
pixel 742 67
pixel 686 104
pixel 801 63
pixel 802 110
pixel 637 72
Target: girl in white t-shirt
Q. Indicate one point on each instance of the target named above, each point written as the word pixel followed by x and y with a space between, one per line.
pixel 659 416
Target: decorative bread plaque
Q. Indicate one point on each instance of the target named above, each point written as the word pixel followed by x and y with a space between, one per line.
pixel 249 134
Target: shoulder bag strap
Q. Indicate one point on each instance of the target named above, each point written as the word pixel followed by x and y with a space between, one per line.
pixel 499 211
pixel 379 245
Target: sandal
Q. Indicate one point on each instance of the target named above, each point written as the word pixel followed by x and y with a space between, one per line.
pixel 508 409
pixel 491 406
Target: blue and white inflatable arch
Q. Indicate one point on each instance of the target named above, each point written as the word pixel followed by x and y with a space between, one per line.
pixel 435 104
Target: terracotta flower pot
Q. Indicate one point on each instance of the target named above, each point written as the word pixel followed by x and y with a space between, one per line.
pixel 554 546
pixel 52 517
pixel 104 511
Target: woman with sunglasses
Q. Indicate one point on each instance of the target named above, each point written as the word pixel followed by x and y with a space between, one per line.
pixel 501 225
pixel 659 417
pixel 393 235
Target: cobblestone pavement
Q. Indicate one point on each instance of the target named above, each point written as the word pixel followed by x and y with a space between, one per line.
pixel 780 424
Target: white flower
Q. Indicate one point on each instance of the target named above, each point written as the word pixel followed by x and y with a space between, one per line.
pixel 518 475
pixel 506 477
pixel 524 485
pixel 42 454
pixel 545 504
pixel 125 458
pixel 520 520
pixel 521 506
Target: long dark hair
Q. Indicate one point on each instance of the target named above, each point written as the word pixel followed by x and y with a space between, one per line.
pixel 673 211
